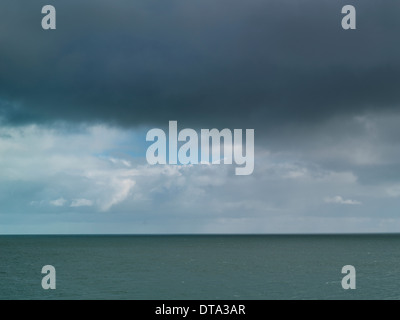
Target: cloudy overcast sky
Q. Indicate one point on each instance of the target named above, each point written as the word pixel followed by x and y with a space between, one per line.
pixel 76 104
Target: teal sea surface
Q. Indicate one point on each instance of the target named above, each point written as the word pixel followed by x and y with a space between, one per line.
pixel 200 267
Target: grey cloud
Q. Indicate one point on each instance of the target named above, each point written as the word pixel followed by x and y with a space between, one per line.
pixel 205 63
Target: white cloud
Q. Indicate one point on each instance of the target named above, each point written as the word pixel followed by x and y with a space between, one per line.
pixel 58 203
pixel 74 163
pixel 340 200
pixel 393 191
pixel 81 203
pixel 121 161
pixel 92 172
pixel 120 191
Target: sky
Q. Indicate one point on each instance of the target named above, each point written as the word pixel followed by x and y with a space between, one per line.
pixel 76 104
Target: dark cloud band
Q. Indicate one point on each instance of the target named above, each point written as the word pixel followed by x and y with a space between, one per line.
pixel 216 63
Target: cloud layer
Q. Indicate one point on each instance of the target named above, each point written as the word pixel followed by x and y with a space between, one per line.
pixel 106 187
pixel 257 64
pixel 76 103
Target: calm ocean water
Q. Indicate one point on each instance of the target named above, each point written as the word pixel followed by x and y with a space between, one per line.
pixel 200 267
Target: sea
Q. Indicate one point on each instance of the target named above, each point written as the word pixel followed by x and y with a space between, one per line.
pixel 200 267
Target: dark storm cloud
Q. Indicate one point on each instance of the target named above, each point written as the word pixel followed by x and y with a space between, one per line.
pixel 210 62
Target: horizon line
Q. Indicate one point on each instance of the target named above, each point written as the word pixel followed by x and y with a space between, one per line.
pixel 203 234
